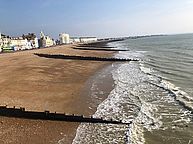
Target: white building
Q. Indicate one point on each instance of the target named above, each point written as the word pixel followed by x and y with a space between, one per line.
pixel 74 40
pixel 46 41
pixel 64 38
pixel 0 43
pixel 34 43
pixel 88 39
pixel 4 42
pixel 24 42
pixel 19 43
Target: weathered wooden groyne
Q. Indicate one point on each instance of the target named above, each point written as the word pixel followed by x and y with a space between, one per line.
pixel 59 56
pixel 101 43
pixel 22 113
pixel 99 49
pixel 94 46
pixel 86 46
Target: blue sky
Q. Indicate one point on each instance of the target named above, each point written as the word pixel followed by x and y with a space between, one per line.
pixel 102 18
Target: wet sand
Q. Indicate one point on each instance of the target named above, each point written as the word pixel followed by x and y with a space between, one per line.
pixel 41 84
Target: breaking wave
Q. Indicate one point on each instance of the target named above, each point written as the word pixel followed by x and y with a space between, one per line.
pixel 140 97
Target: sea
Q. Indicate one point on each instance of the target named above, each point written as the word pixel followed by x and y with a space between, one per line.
pixel 155 94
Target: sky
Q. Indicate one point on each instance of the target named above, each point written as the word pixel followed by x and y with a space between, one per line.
pixel 101 18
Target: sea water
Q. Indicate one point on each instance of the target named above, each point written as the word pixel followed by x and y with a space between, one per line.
pixel 155 94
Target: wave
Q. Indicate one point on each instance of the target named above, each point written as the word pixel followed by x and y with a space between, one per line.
pixel 168 67
pixel 181 96
pixel 140 97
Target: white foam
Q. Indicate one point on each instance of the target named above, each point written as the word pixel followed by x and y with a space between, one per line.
pixel 181 95
pixel 133 99
pixel 121 104
pixel 145 69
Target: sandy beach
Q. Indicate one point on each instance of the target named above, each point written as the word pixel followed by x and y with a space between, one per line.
pixel 40 84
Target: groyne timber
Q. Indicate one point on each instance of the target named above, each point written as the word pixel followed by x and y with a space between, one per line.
pixel 46 115
pixel 99 49
pixel 59 56
pixel 101 43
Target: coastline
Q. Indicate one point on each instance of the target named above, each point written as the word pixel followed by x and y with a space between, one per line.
pixel 41 84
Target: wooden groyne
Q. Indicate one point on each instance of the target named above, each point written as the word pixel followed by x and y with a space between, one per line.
pixel 99 49
pixel 58 56
pixel 94 46
pixel 101 43
pixel 22 113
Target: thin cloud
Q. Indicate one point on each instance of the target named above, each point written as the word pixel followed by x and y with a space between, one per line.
pixel 190 1
pixel 46 3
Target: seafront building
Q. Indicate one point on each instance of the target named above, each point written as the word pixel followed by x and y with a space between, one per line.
pixel 88 39
pixel 32 39
pixel 29 41
pixel 24 42
pixel 0 42
pixel 64 38
pixel 46 41
pixel 83 39
pixel 5 42
pixel 74 40
pixel 18 43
